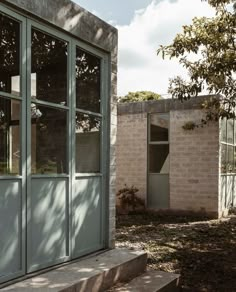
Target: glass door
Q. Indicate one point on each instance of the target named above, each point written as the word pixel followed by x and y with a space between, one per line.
pixel 48 150
pixel 12 145
pixel 158 161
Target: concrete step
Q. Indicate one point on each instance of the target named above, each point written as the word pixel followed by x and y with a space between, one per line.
pixel 151 281
pixel 97 273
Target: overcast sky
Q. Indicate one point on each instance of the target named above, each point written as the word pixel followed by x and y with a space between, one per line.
pixel 144 25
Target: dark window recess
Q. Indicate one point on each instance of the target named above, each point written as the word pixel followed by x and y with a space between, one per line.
pixel 223 136
pixel 88 131
pixel 9 55
pixel 230 161
pixel 10 153
pixel 49 68
pixel 48 140
pixel 159 127
pixel 88 76
pixel 223 158
pixel 159 158
pixel 230 131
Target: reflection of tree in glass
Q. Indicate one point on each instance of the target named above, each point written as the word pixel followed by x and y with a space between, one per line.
pixel 47 50
pixel 86 123
pixel 49 68
pixel 9 51
pixel 87 81
pixel 3 124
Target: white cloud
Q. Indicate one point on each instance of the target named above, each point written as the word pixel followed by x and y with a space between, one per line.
pixel 139 66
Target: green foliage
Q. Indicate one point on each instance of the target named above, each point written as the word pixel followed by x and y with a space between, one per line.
pixel 140 96
pixel 213 41
pixel 128 197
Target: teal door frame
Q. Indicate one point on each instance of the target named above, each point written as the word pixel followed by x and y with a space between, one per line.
pixel 19 179
pixel 71 177
pixel 157 183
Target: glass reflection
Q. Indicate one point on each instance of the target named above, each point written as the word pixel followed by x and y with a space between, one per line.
pixel 9 55
pixel 159 158
pixel 87 144
pixel 159 128
pixel 9 137
pixel 49 68
pixel 48 140
pixel 88 73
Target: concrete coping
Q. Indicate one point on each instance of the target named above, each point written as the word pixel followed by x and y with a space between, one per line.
pixel 162 105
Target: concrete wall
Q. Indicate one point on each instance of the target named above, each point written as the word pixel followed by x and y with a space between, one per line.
pixel 194 155
pixel 194 164
pixel 132 152
pixel 69 17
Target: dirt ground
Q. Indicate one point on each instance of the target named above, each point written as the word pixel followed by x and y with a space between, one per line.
pixel 202 251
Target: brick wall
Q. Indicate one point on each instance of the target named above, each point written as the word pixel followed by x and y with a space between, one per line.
pixel 194 164
pixel 132 152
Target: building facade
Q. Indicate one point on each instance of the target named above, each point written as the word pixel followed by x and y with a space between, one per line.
pixel 173 168
pixel 58 66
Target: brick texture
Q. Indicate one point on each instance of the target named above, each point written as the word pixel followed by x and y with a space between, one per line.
pixel 132 152
pixel 194 159
pixel 194 163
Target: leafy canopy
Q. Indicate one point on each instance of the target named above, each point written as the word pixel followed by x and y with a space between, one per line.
pixel 213 42
pixel 140 96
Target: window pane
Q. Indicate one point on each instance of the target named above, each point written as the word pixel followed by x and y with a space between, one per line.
pixel 9 136
pixel 9 55
pixel 230 131
pixel 223 124
pixel 159 158
pixel 230 162
pixel 49 68
pixel 48 140
pixel 234 158
pixel 88 73
pixel 87 144
pixel 159 126
pixel 223 158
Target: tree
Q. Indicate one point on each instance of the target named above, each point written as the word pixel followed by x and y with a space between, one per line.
pixel 214 41
pixel 140 96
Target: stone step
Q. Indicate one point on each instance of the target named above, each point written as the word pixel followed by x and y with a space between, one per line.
pixel 97 273
pixel 151 281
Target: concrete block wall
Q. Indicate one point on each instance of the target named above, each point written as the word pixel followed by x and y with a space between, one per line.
pixel 132 152
pixel 113 139
pixel 194 164
pixel 194 155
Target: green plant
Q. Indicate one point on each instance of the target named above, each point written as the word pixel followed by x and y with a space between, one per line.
pixel 140 96
pixel 212 41
pixel 128 197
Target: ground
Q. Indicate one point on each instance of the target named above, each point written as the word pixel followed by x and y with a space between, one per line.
pixel 202 251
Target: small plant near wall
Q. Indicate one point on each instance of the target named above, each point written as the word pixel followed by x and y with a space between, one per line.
pixel 189 126
pixel 128 198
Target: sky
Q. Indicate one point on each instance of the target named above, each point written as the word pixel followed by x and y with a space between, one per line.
pixel 144 25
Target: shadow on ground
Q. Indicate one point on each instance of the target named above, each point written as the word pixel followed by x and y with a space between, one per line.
pixel 202 251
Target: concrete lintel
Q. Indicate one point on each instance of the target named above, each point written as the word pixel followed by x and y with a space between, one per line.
pixel 72 18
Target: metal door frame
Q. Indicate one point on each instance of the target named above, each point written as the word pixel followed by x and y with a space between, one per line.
pixel 22 175
pixel 25 69
pixel 148 154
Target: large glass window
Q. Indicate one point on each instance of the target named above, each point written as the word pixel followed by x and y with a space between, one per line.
pixel 87 143
pixel 49 113
pixel 228 146
pixel 49 68
pixel 48 140
pixel 159 125
pixel 10 150
pixel 158 143
pixel 88 75
pixel 88 118
pixel 9 55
